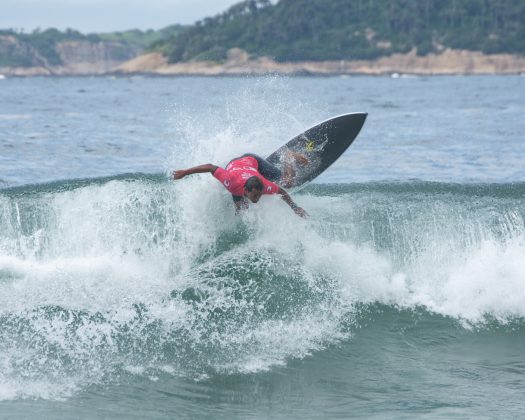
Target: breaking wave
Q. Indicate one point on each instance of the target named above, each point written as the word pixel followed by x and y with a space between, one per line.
pixel 104 279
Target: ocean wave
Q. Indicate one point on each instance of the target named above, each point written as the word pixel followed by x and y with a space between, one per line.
pixel 136 275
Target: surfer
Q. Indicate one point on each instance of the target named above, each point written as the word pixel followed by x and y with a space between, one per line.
pixel 249 177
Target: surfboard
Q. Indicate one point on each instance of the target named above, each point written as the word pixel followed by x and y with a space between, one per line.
pixel 322 145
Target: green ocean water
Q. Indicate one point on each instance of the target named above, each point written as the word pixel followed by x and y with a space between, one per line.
pixel 392 298
pixel 126 295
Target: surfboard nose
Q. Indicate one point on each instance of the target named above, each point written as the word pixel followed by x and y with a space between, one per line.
pixel 360 115
pixel 363 115
pixel 350 124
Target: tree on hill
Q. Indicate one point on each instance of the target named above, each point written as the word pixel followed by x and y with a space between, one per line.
pixel 294 30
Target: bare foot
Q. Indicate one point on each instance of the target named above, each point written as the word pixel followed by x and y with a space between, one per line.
pixel 292 157
pixel 290 161
pixel 300 158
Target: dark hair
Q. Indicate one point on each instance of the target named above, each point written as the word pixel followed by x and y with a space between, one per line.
pixel 254 183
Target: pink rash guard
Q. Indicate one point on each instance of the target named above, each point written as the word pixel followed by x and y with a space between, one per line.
pixel 238 172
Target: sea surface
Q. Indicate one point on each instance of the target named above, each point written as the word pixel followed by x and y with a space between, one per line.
pixel 125 295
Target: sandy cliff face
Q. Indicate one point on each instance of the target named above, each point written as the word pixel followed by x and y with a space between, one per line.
pixel 77 57
pixel 82 57
pixel 85 58
pixel 238 62
pixel 12 50
pixel 447 62
pixel 16 50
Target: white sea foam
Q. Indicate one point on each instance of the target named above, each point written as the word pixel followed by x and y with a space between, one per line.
pixel 488 281
pixel 87 275
pixel 10 117
pixel 74 279
pixel 257 119
pixel 33 388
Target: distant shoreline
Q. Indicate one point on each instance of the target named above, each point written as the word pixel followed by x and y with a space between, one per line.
pixel 240 75
pixel 238 63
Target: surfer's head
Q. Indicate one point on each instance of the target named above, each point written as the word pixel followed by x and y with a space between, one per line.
pixel 253 189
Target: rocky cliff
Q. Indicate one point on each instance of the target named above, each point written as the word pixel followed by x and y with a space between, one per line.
pixel 239 62
pixel 74 57
pixel 109 57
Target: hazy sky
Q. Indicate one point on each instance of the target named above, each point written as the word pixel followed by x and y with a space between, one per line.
pixel 105 15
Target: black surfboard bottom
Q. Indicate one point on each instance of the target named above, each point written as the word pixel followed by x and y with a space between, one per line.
pixel 309 154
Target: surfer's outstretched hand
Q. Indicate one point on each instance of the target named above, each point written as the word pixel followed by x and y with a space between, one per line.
pixel 301 212
pixel 288 200
pixel 181 173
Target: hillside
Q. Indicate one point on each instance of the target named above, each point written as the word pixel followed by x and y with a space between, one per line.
pixel 56 52
pixel 321 30
pixel 293 37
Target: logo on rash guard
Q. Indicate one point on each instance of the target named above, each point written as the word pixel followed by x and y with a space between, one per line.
pixel 268 188
pixel 241 168
pixel 226 183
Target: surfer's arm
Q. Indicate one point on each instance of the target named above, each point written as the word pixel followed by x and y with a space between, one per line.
pixel 181 173
pixel 288 200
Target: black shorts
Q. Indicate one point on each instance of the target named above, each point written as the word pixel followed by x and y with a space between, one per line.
pixel 266 169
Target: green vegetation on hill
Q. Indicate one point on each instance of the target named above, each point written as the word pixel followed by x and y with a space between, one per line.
pixel 295 30
pixel 142 39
